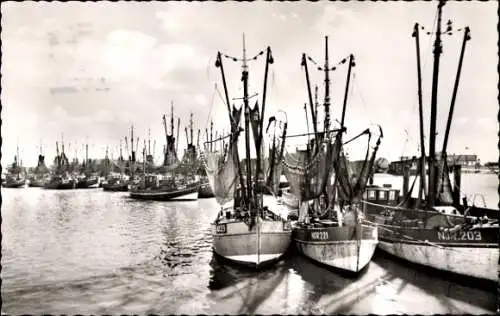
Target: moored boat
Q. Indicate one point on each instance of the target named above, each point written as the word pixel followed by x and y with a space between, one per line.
pixel 14 178
pixel 61 182
pixel 330 228
pixel 437 230
pixel 245 231
pixel 151 188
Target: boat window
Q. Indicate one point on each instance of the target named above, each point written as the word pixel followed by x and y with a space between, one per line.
pixel 382 195
pixel 371 195
pixel 392 195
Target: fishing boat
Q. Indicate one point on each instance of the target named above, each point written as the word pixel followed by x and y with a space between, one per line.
pixel 205 191
pixel 331 228
pixel 245 230
pixel 14 178
pixel 41 172
pixel 116 182
pixel 436 229
pixel 169 185
pixel 60 179
pixel 87 179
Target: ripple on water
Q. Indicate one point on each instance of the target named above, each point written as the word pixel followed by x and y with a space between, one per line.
pixel 95 252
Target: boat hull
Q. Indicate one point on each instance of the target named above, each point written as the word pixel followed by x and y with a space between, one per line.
pixel 472 253
pixel 115 187
pixel 236 242
pixel 337 247
pixel 87 183
pixel 205 191
pixel 13 185
pixel 187 194
pixel 60 185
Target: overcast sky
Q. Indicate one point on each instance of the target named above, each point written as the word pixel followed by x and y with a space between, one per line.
pixel 93 69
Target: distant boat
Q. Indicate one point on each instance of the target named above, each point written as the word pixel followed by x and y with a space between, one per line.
pixel 60 182
pixel 12 182
pixel 170 186
pixel 435 229
pixel 152 188
pixel 245 230
pixel 13 178
pixel 87 182
pixel 116 184
pixel 60 178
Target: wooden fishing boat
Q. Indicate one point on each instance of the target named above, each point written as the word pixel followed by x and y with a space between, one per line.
pixel 87 182
pixel 115 184
pixel 61 182
pixel 330 228
pixel 152 188
pixel 41 173
pixel 436 229
pixel 12 182
pixel 14 178
pixel 60 179
pixel 170 186
pixel 245 231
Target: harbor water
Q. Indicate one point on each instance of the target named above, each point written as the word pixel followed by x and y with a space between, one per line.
pixel 95 252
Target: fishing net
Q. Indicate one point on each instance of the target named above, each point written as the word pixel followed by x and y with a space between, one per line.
pixel 352 177
pixel 308 172
pixel 222 173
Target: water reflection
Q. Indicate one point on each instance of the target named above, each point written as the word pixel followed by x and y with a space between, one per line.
pixel 100 253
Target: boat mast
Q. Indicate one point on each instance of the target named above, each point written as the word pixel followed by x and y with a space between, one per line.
pixel 316 103
pixel 344 106
pixel 313 117
pixel 191 127
pixel 455 88
pixel 149 141
pixel 177 139
pixel 327 89
pixel 423 188
pixel 233 121
pixel 211 134
pixel 432 134
pixel 244 69
pixel 269 60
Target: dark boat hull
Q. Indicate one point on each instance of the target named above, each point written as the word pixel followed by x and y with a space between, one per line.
pixel 59 185
pixel 87 183
pixel 120 187
pixel 14 185
pixel 348 248
pixel 205 191
pixel 185 194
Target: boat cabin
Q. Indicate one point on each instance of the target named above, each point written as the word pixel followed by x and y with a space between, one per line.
pixel 384 195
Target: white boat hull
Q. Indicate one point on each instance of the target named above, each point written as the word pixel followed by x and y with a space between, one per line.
pixel 338 247
pixel 475 262
pixel 234 241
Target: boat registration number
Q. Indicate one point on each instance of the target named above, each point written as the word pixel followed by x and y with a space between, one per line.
pixel 221 229
pixel 460 235
pixel 319 235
